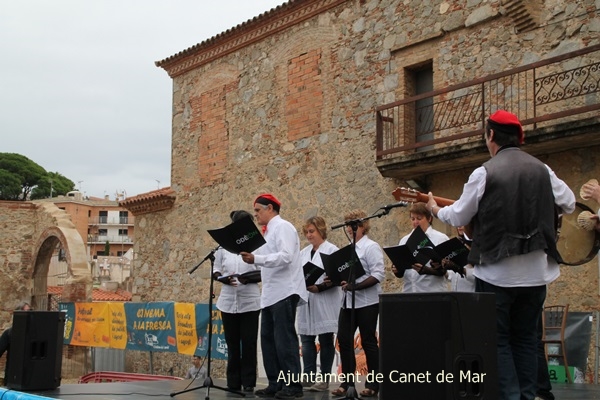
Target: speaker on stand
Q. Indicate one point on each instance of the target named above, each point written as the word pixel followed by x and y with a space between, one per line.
pixel 35 353
pixel 438 346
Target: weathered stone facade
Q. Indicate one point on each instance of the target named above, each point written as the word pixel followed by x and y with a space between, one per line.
pixel 237 131
pixel 29 234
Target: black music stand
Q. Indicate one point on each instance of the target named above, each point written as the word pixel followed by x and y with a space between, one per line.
pixel 351 391
pixel 208 382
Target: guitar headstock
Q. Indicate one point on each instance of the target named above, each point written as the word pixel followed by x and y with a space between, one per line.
pixel 409 195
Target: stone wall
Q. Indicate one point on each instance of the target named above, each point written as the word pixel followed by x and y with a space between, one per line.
pixel 28 235
pixel 359 53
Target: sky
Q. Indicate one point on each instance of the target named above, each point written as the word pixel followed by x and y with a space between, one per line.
pixel 79 91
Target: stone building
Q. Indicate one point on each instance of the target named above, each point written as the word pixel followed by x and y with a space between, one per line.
pixel 31 234
pixel 333 104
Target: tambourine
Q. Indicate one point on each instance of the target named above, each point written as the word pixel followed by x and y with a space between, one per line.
pixel 576 245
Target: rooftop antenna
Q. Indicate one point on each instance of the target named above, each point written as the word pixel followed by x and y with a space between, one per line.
pixel 157 183
pixel 79 183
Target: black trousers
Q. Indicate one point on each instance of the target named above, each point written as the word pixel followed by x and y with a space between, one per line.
pixel 365 319
pixel 241 335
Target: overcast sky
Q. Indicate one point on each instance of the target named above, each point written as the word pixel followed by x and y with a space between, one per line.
pixel 80 94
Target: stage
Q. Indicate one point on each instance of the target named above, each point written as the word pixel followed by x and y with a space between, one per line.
pixel 162 390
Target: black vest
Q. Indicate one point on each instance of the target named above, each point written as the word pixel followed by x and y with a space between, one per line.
pixel 516 213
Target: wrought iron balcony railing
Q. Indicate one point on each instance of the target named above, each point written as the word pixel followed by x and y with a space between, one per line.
pixel 557 90
pixel 105 220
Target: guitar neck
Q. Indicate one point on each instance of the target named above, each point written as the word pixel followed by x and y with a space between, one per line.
pixel 413 196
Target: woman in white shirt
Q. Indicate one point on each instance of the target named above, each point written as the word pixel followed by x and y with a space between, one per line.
pixel 319 317
pixel 423 278
pixel 366 291
pixel 239 303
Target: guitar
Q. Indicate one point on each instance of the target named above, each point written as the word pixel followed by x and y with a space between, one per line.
pixel 413 196
pixel 576 246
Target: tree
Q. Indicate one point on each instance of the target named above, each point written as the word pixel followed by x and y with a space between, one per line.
pixel 23 179
pixel 107 248
pixel 24 170
pixel 10 186
pixel 59 184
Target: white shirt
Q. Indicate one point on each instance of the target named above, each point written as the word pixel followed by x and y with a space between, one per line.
pixel 413 282
pixel 279 259
pixel 320 314
pixel 198 373
pixel 370 255
pixel 508 272
pixel 459 283
pixel 240 298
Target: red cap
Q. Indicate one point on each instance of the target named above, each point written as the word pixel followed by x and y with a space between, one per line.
pixel 503 117
pixel 267 199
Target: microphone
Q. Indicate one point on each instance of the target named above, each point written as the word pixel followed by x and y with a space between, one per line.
pixel 398 204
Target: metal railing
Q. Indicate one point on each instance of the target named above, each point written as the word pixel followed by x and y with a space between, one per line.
pixel 556 90
pixel 111 220
pixel 110 238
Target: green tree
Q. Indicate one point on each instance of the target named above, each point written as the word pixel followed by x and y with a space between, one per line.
pixel 107 248
pixel 18 168
pixel 10 185
pixel 59 184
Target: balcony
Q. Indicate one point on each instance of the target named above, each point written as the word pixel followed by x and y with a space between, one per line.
pixel 557 101
pixel 112 239
pixel 111 220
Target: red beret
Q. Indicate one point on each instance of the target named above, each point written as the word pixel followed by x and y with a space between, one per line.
pixel 503 117
pixel 267 199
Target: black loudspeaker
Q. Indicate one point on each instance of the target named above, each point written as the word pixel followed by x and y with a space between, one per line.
pixel 35 352
pixel 438 346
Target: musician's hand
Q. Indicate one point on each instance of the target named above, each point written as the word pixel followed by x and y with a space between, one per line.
pixel 241 280
pixel 247 257
pixel 592 190
pixel 431 203
pixel 313 289
pixel 229 280
pixel 452 266
pixel 436 265
pixel 418 267
pixel 347 286
pixel 394 270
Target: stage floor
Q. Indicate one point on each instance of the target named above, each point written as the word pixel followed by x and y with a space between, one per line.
pixel 162 390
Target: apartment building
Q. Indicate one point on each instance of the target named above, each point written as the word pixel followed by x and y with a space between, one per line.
pixel 106 228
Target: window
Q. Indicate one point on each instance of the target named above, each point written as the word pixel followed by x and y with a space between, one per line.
pixel 103 217
pixel 419 79
pixel 122 232
pixel 123 217
pixel 102 232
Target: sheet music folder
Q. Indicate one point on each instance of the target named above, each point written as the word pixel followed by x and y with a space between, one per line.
pixel 418 249
pixel 240 235
pixel 337 265
pixel 312 272
pixel 454 250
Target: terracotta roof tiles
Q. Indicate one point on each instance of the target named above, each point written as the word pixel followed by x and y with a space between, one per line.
pixel 97 294
pixel 156 200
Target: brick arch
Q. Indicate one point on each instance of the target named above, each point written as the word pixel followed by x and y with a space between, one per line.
pixel 78 284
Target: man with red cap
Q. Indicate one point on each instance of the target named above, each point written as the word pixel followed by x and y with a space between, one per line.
pixel 283 288
pixel 510 202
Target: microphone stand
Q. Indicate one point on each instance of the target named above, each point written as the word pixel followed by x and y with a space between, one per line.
pixel 351 391
pixel 208 382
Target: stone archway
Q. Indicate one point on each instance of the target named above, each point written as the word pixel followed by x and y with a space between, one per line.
pixel 78 285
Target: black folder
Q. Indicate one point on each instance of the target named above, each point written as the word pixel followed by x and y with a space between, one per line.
pixel 248 277
pixel 338 265
pixel 312 272
pixel 453 250
pixel 240 235
pixel 418 249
